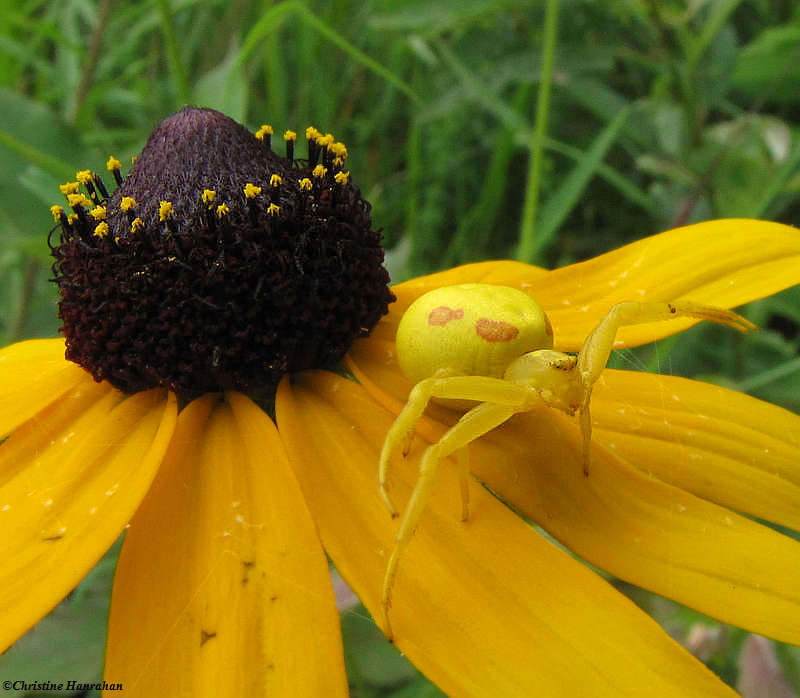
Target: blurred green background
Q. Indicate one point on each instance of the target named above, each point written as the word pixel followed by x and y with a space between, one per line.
pixel 542 130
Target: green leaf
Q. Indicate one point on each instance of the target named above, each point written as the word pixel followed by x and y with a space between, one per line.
pixel 35 135
pixel 224 87
pixel 776 183
pixel 372 659
pixel 770 64
pixel 375 667
pixel 35 146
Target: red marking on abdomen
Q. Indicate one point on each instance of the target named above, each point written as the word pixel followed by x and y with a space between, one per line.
pixel 442 315
pixel 495 330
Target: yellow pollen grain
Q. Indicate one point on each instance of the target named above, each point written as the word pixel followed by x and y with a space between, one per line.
pixel 208 196
pixel 251 191
pixel 275 180
pixel 127 203
pixel 265 130
pixel 319 171
pixel 133 159
pixel 57 212
pixel 136 225
pixel 339 149
pixel 273 209
pixel 69 188
pixel 222 210
pixel 101 230
pixel 341 177
pixel 84 176
pixel 325 141
pixel 289 135
pixel 312 133
pixel 71 218
pixel 306 184
pixel 79 200
pixel 113 164
pixel 98 213
pixel 165 210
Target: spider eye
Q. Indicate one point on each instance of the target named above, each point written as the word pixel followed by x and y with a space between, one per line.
pixel 471 329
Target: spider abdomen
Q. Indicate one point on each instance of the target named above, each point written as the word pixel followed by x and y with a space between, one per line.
pixel 469 329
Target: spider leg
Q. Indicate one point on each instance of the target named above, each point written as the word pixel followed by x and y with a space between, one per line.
pixel 463 476
pixel 586 429
pixel 595 352
pixel 401 433
pixel 474 424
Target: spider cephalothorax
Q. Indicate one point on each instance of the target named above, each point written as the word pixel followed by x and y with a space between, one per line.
pixel 488 350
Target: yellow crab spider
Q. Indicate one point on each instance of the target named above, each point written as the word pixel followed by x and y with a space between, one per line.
pixel 488 350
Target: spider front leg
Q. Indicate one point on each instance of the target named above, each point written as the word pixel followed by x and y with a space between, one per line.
pixel 401 434
pixel 595 352
pixel 474 424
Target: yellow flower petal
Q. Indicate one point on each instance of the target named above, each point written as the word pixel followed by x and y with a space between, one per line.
pixel 723 262
pixel 222 588
pixel 641 529
pixel 721 445
pixel 632 525
pixel 81 482
pixel 483 608
pixel 32 375
pixel 58 419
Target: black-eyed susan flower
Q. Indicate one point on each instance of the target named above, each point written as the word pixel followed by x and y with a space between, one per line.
pixel 210 270
pixel 179 322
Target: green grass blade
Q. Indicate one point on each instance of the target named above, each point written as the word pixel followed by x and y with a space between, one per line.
pixel 780 372
pixel 527 242
pixel 176 67
pixel 53 165
pixel 275 16
pixel 483 94
pixel 471 239
pixel 562 202
pixel 270 21
pixel 719 13
pixel 356 54
pixel 602 100
pixel 625 186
